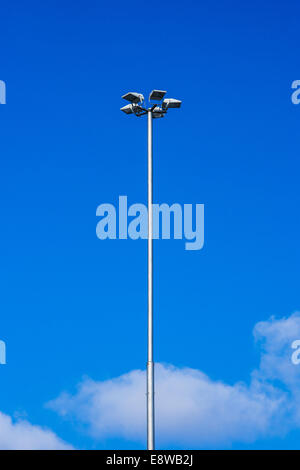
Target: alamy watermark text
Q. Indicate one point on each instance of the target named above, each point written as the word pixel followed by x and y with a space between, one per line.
pixel 2 92
pixel 188 222
pixel 2 352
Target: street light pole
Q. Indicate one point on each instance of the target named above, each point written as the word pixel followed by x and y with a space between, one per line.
pixel 137 106
pixel 150 363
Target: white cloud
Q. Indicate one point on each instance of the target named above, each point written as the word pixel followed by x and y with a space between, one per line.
pixel 275 337
pixel 22 435
pixel 193 410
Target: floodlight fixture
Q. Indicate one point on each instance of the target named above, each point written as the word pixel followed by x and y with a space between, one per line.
pixel 157 95
pixel 134 109
pixel 158 112
pixel 171 103
pixel 128 109
pixel 133 97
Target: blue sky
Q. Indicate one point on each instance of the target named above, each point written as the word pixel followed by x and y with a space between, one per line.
pixel 74 306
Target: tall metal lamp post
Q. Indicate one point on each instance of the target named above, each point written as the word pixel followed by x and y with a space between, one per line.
pixel 138 107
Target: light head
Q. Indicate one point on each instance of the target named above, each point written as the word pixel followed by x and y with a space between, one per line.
pixel 158 112
pixel 157 95
pixel 127 109
pixel 133 97
pixel 133 108
pixel 171 103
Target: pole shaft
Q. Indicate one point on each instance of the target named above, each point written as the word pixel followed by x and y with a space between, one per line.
pixel 150 363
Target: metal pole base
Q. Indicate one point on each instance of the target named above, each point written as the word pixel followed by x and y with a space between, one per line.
pixel 150 406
